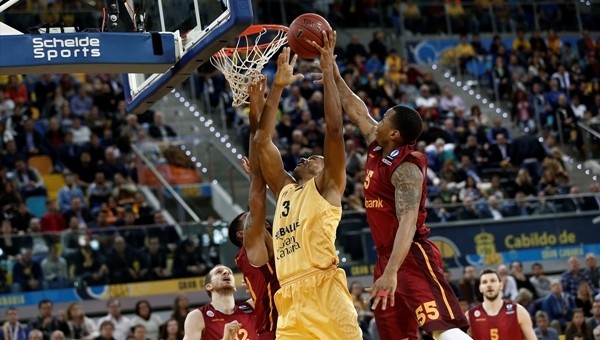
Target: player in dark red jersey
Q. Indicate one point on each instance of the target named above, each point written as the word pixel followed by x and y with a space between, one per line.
pixel 249 232
pixel 409 289
pixel 222 318
pixel 497 319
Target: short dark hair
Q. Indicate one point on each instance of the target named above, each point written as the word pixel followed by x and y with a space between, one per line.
pixel 489 271
pixel 137 307
pixel 43 302
pixel 235 226
pixel 207 280
pixel 408 122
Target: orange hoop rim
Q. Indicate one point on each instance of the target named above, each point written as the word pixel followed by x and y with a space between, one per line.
pixel 253 29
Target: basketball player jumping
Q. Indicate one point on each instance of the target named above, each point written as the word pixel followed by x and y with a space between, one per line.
pixel 313 301
pixel 496 318
pixel 409 288
pixel 248 231
pixel 222 318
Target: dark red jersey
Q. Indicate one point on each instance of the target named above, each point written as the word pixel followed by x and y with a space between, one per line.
pixel 504 326
pixel 262 283
pixel 214 322
pixel 380 193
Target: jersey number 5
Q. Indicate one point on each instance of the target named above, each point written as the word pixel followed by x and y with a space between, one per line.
pixel 494 334
pixel 368 178
pixel 286 208
pixel 242 334
pixel 428 310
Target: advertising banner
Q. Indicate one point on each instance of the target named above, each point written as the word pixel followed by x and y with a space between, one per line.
pixel 87 51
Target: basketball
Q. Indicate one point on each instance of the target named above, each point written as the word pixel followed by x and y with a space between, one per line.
pixel 307 26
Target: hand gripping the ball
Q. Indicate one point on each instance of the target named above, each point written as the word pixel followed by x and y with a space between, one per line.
pixel 327 62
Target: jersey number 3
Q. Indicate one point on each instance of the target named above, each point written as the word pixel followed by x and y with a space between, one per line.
pixel 286 208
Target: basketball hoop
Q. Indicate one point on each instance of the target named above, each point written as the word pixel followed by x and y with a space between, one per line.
pixel 242 65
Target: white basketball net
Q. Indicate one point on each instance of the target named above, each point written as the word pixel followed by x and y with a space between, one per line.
pixel 244 65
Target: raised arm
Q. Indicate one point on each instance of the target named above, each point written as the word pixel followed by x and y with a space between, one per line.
pixel 254 226
pixel 355 108
pixel 269 156
pixel 408 183
pixel 332 181
pixel 193 326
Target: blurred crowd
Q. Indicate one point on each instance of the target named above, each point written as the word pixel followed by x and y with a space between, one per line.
pixel 72 323
pixel 71 210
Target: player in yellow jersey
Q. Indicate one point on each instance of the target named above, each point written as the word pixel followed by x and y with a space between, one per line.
pixel 313 301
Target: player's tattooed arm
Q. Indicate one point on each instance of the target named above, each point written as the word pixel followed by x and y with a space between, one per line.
pixel 408 181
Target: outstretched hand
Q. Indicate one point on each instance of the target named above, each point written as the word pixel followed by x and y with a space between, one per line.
pixel 327 62
pixel 285 69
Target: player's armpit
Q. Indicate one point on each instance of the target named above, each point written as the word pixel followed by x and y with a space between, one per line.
pixel 408 181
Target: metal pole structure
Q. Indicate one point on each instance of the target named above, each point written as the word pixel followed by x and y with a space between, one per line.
pixel 164 182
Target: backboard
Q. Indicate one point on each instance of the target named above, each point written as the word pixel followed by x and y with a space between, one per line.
pixel 205 26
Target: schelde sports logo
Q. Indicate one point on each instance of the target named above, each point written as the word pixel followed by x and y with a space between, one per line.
pixel 55 48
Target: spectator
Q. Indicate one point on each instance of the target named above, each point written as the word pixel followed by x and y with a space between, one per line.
pixel 27 274
pixel 46 322
pixel 138 332
pixel 585 298
pixel 88 266
pixel 591 270
pixel 171 331
pixel 469 286
pixel 28 179
pixel 67 193
pixel 558 305
pixel 70 237
pixel 68 153
pixel 539 280
pixel 86 171
pixel 593 322
pixel 159 130
pixel 81 132
pixel 543 331
pixel 596 333
pixel 54 268
pixel 78 209
pixel 80 326
pixel 577 328
pixel 522 281
pixel 12 329
pixel 122 324
pixel 52 221
pixel 125 263
pixel 188 261
pixel 500 152
pixel 509 284
pixel 35 334
pixel 82 103
pixel 29 141
pixel 11 155
pixel 21 218
pixel 427 104
pixel 571 278
pixel 493 210
pixel 98 192
pixel 451 102
pixel 146 318
pixel 354 48
pixel 180 310
pixel 57 335
pixel 107 331
pixel 10 243
pixel 111 165
pixel 156 259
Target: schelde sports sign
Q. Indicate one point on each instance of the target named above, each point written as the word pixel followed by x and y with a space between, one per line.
pixel 137 289
pixel 87 52
pixel 49 47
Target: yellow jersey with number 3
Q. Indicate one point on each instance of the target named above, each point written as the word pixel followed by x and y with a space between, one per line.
pixel 304 230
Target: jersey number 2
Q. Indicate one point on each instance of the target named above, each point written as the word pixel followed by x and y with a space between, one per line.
pixel 242 334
